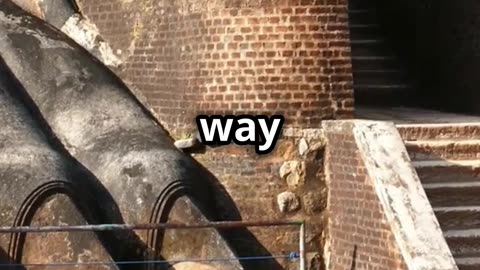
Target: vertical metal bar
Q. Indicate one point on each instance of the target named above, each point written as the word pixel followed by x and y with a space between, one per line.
pixel 302 247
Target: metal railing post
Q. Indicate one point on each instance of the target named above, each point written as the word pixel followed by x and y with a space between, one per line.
pixel 302 247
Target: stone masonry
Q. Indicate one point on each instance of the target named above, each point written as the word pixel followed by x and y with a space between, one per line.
pixel 379 214
pixel 289 183
pixel 289 57
pixel 351 181
pixel 360 236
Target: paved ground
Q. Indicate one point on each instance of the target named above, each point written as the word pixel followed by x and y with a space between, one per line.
pixel 403 115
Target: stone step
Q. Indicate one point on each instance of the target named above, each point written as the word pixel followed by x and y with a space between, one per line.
pixel 439 131
pixel 447 164
pixel 443 149
pixel 391 95
pixel 374 62
pixel 380 87
pixel 365 31
pixel 360 4
pixel 374 41
pixel 383 77
pixel 453 194
pixel 448 173
pixel 463 243
pixel 362 15
pixel 429 175
pixel 370 47
pixel 468 263
pixel 458 218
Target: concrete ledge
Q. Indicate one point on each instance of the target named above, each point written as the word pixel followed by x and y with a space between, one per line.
pixel 406 206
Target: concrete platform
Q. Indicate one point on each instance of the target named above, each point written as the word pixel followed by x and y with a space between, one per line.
pixel 405 115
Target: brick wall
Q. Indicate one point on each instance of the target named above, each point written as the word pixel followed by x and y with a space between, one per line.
pixel 360 236
pixel 287 57
pixel 254 183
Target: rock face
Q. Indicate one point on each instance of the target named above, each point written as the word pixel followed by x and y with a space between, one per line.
pixel 287 202
pixel 86 34
pixel 40 185
pixel 302 146
pixel 94 116
pixel 191 145
pixel 293 172
pixel 314 202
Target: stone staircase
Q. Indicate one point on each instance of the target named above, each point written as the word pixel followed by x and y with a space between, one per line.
pixel 378 76
pixel 447 160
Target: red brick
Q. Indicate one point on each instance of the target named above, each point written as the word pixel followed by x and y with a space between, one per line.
pixel 235 57
pixel 356 209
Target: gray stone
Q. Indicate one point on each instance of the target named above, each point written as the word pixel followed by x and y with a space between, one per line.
pixel 287 202
pixel 186 143
pixel 308 133
pixel 317 145
pixel 314 202
pixel 287 168
pixel 302 146
pixel 293 172
pixel 88 36
pixel 97 120
pixel 313 134
pixel 41 185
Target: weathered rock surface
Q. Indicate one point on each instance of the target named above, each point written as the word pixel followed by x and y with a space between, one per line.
pixel 98 120
pixel 302 146
pixel 186 143
pixel 314 202
pixel 293 172
pixel 40 185
pixel 190 145
pixel 64 15
pixel 287 202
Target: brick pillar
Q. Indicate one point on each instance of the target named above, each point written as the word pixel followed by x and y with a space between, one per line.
pixel 233 57
pixel 360 235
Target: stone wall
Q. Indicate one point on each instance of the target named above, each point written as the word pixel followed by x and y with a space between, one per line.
pixel 287 184
pixel 379 215
pixel 288 57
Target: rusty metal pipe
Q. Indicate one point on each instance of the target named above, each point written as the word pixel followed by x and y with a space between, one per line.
pixel 113 227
